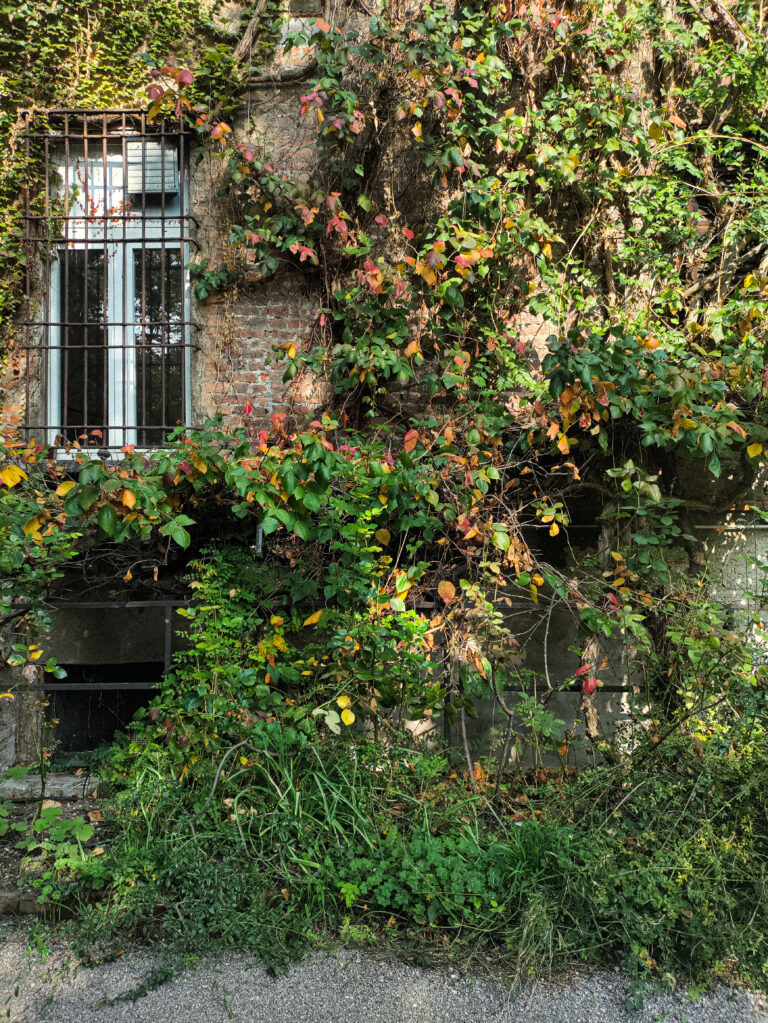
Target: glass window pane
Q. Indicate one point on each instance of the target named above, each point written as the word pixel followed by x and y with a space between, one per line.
pixel 83 352
pixel 158 312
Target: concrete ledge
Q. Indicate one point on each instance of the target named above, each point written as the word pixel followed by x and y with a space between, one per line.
pixel 57 786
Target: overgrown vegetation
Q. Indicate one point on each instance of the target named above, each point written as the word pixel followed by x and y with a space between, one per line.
pixel 603 170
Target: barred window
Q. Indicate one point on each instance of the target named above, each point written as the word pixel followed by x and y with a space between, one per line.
pixel 107 321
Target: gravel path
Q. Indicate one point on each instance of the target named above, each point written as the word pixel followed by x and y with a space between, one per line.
pixel 348 987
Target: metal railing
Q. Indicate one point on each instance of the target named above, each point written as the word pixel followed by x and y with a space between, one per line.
pixel 105 324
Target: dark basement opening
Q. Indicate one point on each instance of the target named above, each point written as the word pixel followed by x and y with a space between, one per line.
pixel 95 701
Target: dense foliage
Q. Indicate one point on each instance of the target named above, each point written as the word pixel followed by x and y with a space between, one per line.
pixel 599 173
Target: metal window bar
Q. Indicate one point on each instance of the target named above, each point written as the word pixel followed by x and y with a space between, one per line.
pixel 169 606
pixel 106 328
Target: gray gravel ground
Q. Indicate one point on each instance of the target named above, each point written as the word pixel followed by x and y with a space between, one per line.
pixel 347 987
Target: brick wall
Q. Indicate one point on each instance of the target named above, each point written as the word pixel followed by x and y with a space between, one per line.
pixel 236 330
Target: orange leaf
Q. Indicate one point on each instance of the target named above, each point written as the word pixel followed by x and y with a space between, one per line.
pixel 411 440
pixel 447 591
pixel 129 498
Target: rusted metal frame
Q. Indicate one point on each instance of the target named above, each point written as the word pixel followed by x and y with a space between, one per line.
pixel 28 251
pixel 63 296
pixel 64 324
pixel 143 264
pixel 75 687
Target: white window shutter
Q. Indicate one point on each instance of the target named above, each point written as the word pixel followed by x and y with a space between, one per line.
pixel 152 168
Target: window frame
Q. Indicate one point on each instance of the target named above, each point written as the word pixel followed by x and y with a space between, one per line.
pixel 144 221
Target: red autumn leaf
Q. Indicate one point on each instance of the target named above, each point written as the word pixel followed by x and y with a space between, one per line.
pixel 381 219
pixel 411 440
pixel 590 685
pixel 447 591
pixel 582 670
pixel 408 233
pixel 337 224
pixel 185 77
pixel 323 25
pixel 248 408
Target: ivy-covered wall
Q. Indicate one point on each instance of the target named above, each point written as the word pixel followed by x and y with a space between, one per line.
pixel 518 256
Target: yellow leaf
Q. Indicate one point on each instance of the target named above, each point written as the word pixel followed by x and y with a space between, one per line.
pixel 620 581
pixel 656 132
pixel 534 593
pixel 7 696
pixel 64 488
pixel 347 717
pixel 383 536
pixel 35 655
pixel 12 474
pixel 199 464
pixel 314 618
pixel 129 498
pixel 616 556
pixel 754 450
pixel 343 702
pixel 32 525
pixel 427 273
pixel 243 761
pixel 554 529
pixel 538 579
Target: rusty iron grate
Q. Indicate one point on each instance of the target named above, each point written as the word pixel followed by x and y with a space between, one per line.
pixel 105 324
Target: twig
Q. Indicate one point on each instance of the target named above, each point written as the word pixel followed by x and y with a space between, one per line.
pixel 219 769
pixel 470 765
pixel 291 74
pixel 243 48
